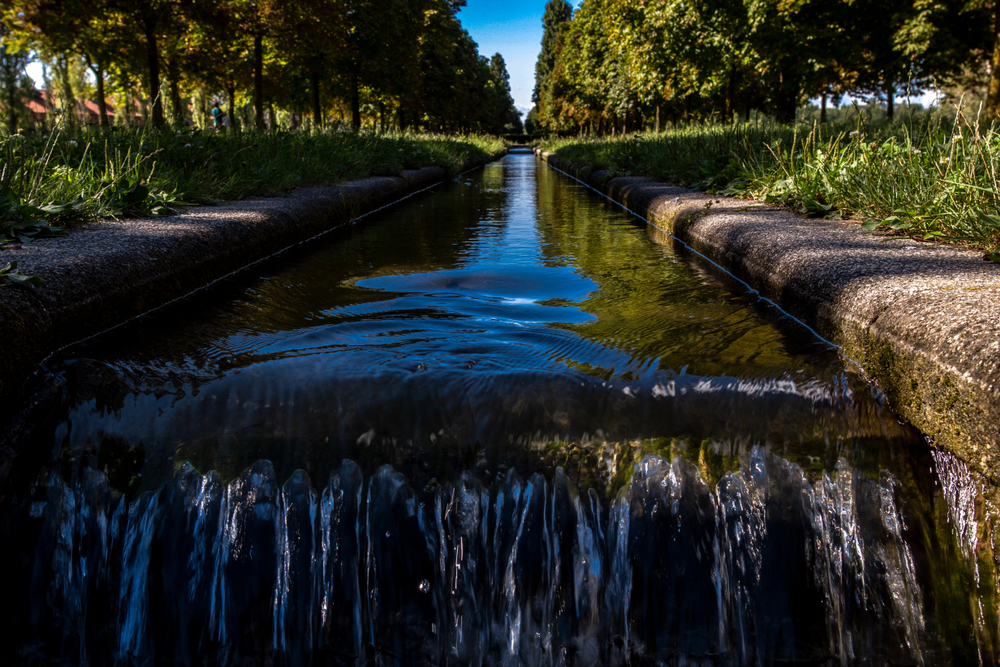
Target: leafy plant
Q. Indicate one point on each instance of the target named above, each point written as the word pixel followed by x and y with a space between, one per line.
pixel 9 275
pixel 51 181
pixel 24 223
pixel 930 180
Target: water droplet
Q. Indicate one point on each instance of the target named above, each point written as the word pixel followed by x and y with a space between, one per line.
pixel 425 586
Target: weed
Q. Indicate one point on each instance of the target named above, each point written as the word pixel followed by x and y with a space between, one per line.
pixel 930 180
pixel 9 275
pixel 51 181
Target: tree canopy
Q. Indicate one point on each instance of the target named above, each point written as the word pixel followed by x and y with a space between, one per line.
pixel 624 64
pixel 402 63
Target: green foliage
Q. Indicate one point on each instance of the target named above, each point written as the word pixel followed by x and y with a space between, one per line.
pixel 50 182
pixel 382 63
pixel 47 182
pixel 931 181
pixel 557 14
pixel 620 64
pixel 9 275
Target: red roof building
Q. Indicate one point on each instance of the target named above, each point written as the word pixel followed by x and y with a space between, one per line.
pixel 43 102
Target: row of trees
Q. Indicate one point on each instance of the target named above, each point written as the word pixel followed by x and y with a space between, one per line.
pixel 403 63
pixel 625 63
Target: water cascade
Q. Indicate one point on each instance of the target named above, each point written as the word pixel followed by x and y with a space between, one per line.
pixel 764 565
pixel 496 426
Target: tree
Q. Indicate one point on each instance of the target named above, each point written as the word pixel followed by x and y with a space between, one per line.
pixel 85 28
pixel 311 35
pixel 152 19
pixel 408 57
pixel 14 82
pixel 938 42
pixel 531 124
pixel 219 52
pixel 502 116
pixel 557 13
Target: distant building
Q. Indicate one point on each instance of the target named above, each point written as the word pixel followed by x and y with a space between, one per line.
pixel 42 103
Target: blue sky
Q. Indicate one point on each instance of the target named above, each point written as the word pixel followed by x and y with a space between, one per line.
pixel 512 28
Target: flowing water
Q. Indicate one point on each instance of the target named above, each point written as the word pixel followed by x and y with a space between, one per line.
pixel 497 424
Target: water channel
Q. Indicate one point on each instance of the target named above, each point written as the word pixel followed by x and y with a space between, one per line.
pixel 495 424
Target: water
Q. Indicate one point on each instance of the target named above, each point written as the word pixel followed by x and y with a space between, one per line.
pixel 494 425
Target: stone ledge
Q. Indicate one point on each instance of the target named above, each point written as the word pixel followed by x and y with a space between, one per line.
pixel 923 320
pixel 108 272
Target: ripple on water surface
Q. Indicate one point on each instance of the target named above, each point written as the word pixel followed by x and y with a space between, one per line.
pixel 540 410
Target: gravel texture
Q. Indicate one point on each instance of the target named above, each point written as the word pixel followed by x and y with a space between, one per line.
pixel 108 272
pixel 923 320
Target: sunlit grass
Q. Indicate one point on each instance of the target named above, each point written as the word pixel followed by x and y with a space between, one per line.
pixel 932 181
pixel 50 180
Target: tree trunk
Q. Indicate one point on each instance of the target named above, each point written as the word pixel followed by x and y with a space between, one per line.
pixel 102 105
pixel 203 111
pixel 822 109
pixel 153 63
pixel 314 89
pixel 787 97
pixel 69 98
pixel 890 102
pixel 176 104
pixel 355 104
pixel 993 86
pixel 730 97
pixel 657 118
pixel 49 121
pixel 234 121
pixel 258 81
pixel 10 83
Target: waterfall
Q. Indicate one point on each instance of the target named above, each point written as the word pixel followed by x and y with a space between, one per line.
pixel 764 564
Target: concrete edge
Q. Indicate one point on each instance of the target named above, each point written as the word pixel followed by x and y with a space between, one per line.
pixel 922 320
pixel 106 273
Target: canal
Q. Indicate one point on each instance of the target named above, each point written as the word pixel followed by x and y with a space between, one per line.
pixel 502 423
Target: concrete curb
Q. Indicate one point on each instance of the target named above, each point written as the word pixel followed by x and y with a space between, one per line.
pixel 107 273
pixel 922 320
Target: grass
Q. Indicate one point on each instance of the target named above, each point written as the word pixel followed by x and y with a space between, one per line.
pixel 930 180
pixel 52 181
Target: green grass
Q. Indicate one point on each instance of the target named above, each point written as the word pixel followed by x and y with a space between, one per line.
pixel 49 182
pixel 929 180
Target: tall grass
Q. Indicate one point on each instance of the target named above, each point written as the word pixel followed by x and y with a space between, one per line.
pixel 50 180
pixel 931 180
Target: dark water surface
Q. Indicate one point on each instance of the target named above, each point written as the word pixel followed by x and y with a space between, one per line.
pixel 495 424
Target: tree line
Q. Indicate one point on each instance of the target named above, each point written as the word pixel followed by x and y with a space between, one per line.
pixel 627 64
pixel 389 63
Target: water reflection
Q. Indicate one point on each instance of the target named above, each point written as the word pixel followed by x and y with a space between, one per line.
pixel 706 482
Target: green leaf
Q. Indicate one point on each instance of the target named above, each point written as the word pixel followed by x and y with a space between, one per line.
pixel 9 274
pixel 17 278
pixel 991 220
pixel 871 225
